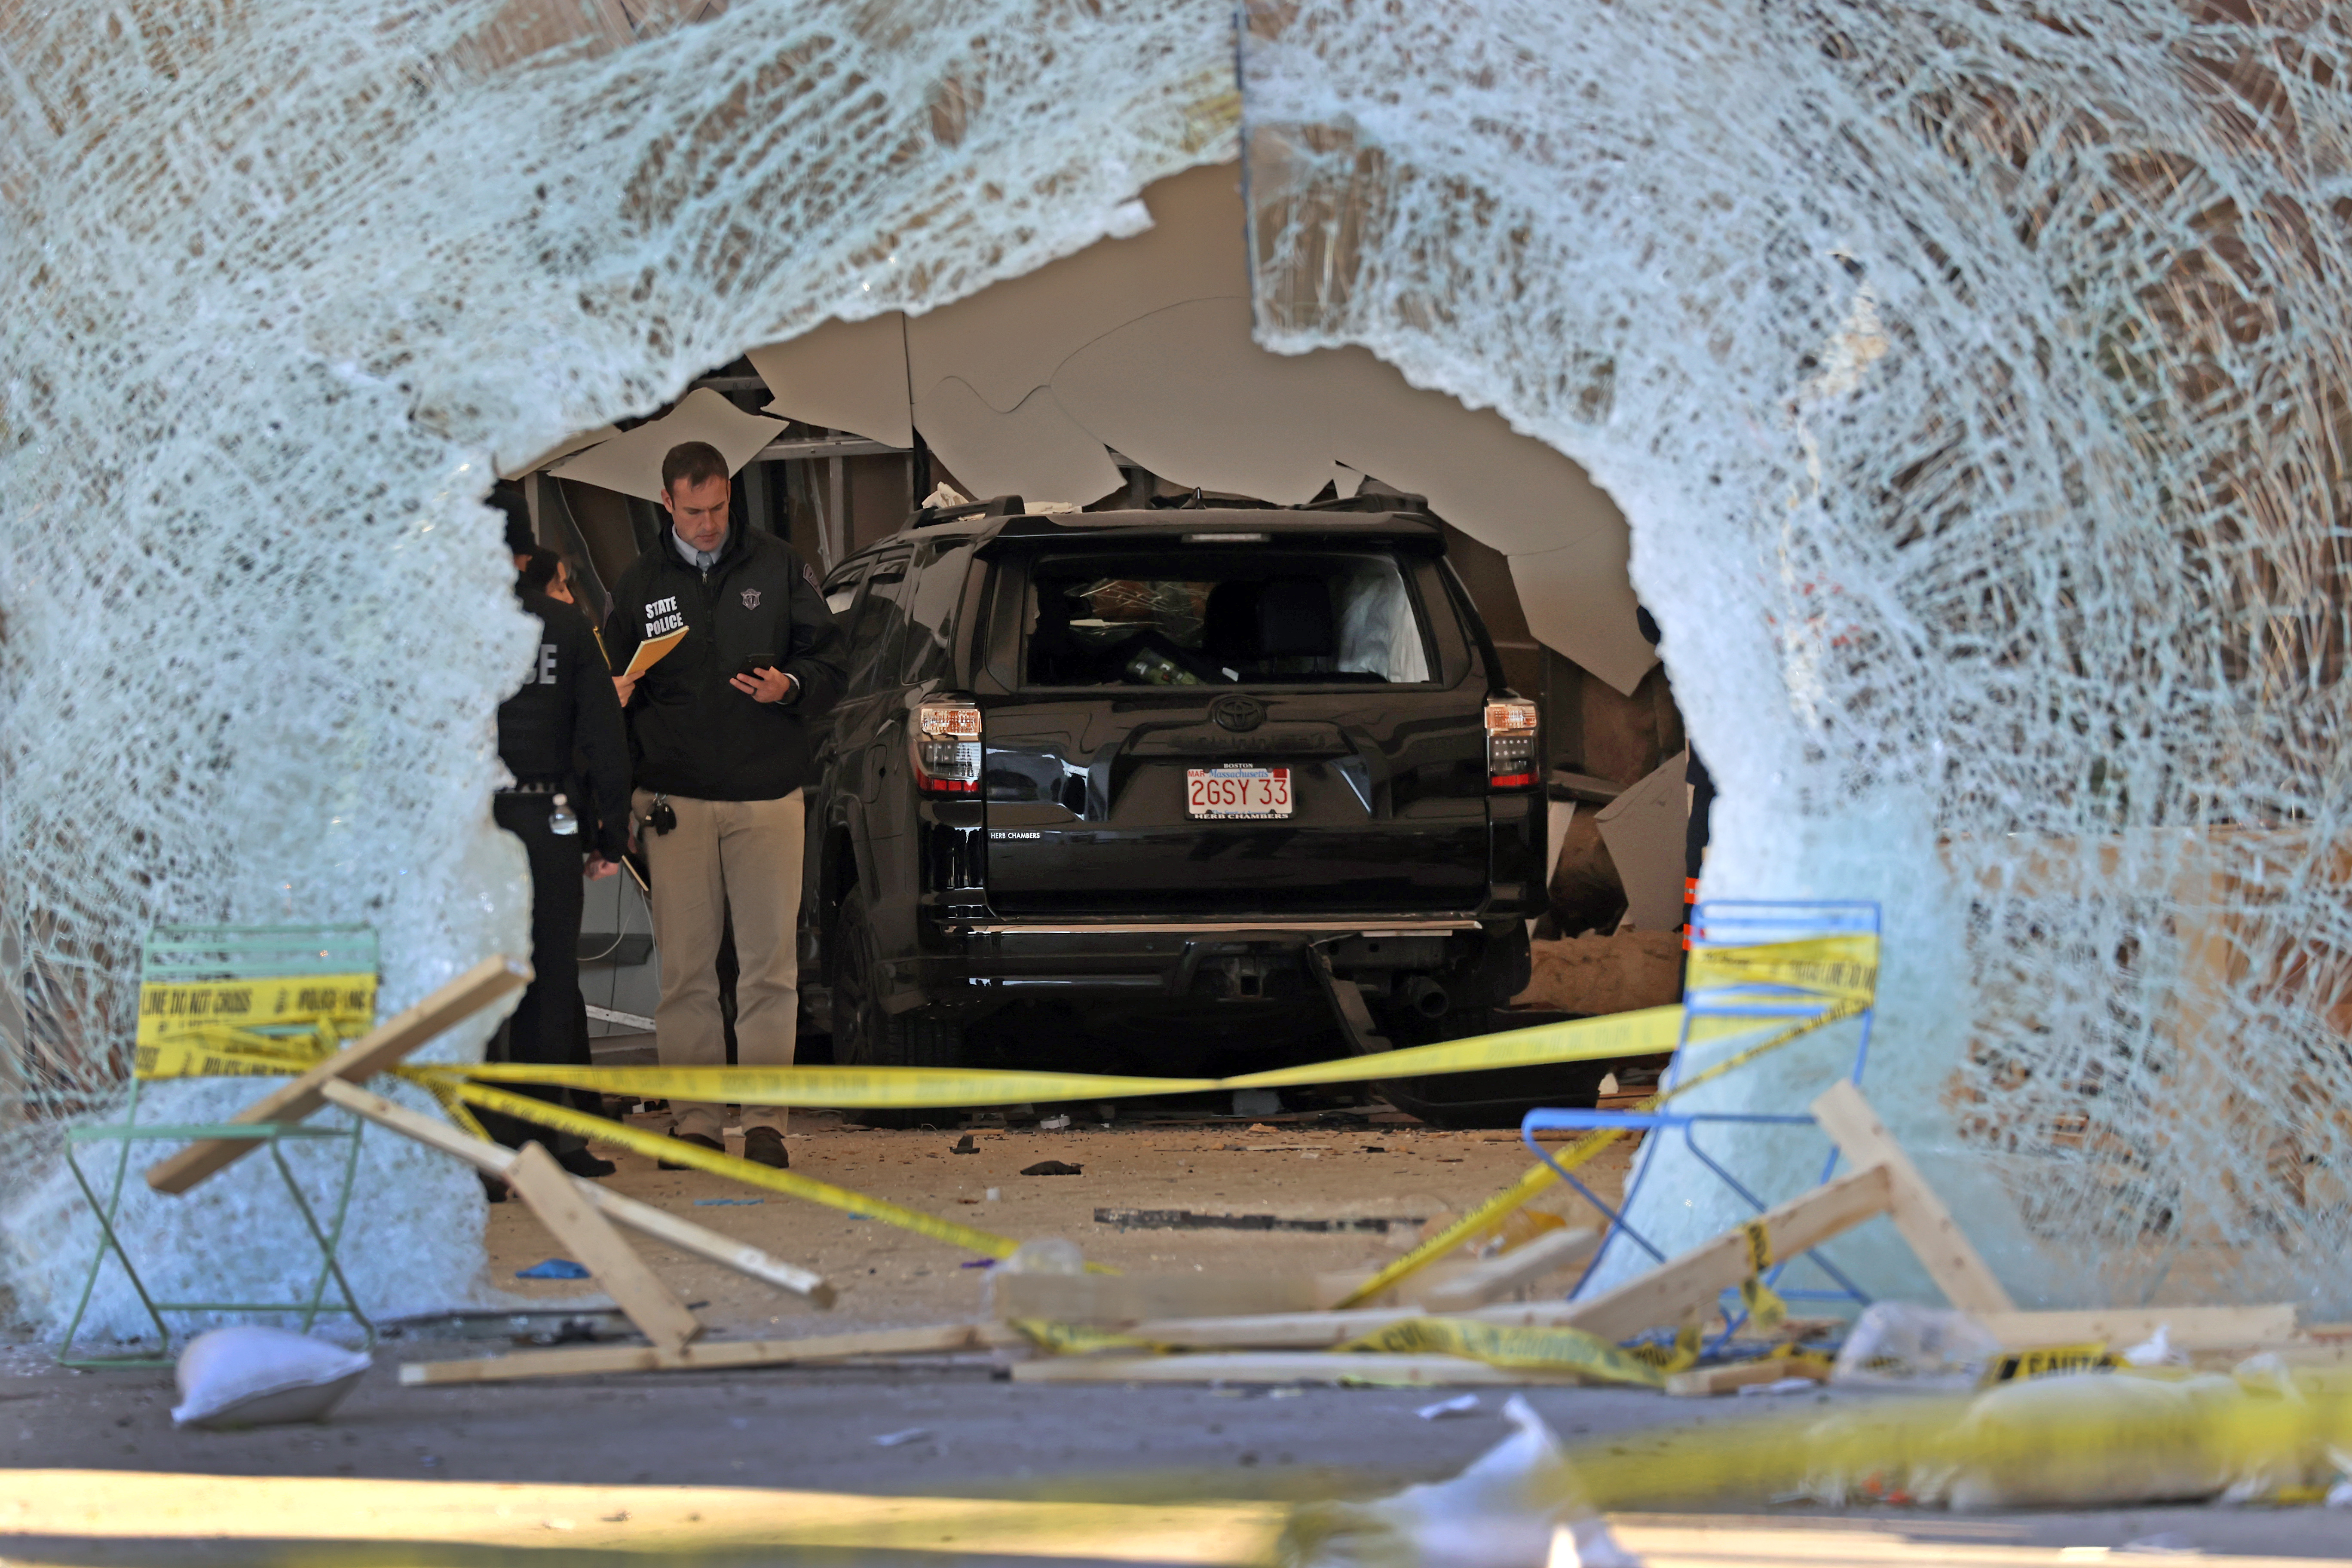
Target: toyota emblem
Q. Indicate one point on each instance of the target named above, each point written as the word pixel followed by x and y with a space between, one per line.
pixel 1237 712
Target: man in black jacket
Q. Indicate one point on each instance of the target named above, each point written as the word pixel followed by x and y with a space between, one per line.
pixel 722 743
pixel 564 716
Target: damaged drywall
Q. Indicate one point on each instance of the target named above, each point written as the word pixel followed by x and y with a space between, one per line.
pixel 1141 345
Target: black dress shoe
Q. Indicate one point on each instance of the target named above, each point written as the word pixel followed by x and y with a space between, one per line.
pixel 765 1146
pixel 699 1141
pixel 580 1162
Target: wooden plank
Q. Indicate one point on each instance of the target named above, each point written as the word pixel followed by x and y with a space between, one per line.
pixel 1942 1247
pixel 590 1238
pixel 1691 1283
pixel 2120 1328
pixel 1702 1381
pixel 1283 1366
pixel 1498 1276
pixel 585 1361
pixel 1116 1300
pixel 710 1245
pixel 642 1218
pixel 372 1053
pixel 1317 1331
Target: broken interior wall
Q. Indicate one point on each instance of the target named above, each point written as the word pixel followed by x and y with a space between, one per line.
pixel 278 285
pixel 1142 344
pixel 1974 380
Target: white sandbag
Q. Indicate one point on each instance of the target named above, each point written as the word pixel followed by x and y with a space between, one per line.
pixel 1516 1506
pixel 252 1376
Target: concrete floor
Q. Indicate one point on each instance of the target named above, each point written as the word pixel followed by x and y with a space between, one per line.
pixel 95 1455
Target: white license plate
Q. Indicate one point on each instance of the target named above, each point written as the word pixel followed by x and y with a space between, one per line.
pixel 1249 795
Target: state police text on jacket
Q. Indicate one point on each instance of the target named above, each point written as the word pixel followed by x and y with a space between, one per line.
pixel 691 732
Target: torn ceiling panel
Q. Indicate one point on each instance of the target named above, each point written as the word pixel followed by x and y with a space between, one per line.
pixel 1035 452
pixel 1578 599
pixel 1508 491
pixel 843 376
pixel 1147 347
pixel 1007 341
pixel 562 449
pixel 631 462
pixel 1186 392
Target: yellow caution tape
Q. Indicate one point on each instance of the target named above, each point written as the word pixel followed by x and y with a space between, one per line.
pixel 2051 1360
pixel 1077 1338
pixel 679 1152
pixel 1839 966
pixel 1651 1032
pixel 1765 1308
pixel 217 1050
pixel 191 1056
pixel 1551 1350
pixel 1669 1356
pixel 1539 1179
pixel 1886 1452
pixel 445 1094
pixel 169 1008
pixel 870 1087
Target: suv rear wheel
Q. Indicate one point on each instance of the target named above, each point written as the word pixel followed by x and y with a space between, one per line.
pixel 867 1036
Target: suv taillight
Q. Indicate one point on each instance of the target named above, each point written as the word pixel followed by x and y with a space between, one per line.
pixel 1510 742
pixel 947 746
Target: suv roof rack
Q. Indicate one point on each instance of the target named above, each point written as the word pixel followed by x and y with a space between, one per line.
pixel 995 506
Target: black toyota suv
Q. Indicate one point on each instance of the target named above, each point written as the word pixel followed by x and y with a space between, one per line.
pixel 1174 790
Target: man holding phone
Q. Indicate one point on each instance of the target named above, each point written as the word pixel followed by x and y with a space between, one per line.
pixel 720 736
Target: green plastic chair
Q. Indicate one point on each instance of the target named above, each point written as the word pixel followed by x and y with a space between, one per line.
pixel 178 955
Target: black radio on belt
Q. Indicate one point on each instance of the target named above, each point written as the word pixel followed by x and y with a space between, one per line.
pixel 663 817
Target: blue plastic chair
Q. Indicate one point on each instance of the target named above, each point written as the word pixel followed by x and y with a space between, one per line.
pixel 1720 924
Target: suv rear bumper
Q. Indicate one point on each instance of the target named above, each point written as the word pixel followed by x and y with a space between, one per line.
pixel 987 964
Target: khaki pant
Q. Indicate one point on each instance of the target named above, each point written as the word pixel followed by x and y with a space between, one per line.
pixel 739 854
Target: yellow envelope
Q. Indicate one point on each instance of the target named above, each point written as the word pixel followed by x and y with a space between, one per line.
pixel 649 652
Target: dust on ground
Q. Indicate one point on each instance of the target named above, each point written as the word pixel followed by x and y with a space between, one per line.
pixel 887 1276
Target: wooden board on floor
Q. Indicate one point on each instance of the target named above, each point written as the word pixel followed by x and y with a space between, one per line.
pixel 1934 1234
pixel 1283 1366
pixel 1117 1301
pixel 1495 1277
pixel 372 1053
pixel 584 1361
pixel 662 1226
pixel 555 1197
pixel 2120 1328
pixel 1692 1282
pixel 1319 1331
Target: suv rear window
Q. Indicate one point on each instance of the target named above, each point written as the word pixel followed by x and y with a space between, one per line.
pixel 1198 616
